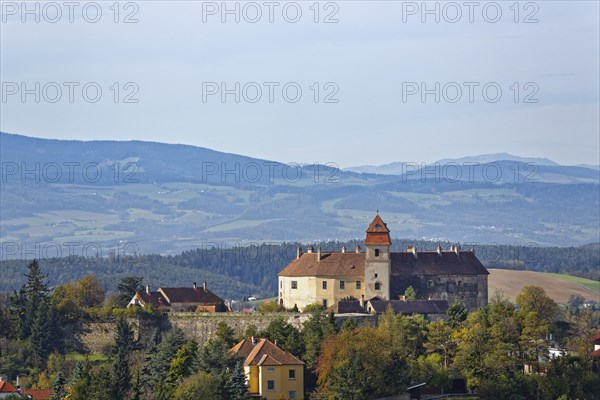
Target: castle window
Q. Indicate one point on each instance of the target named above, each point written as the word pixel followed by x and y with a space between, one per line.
pixel 375 276
pixel 324 285
pixel 292 374
pixel 325 303
pixel 270 386
pixel 429 284
pixel 292 394
pixel 281 284
pixel 342 285
pixel 377 286
pixel 376 252
pixel 294 284
pixel 358 284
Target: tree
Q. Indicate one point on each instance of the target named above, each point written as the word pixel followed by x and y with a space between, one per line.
pixel 457 313
pixel 318 326
pixel 349 324
pixel 202 385
pixel 128 286
pixel 534 299
pixel 285 335
pixel 184 364
pixel 58 387
pixel 439 340
pixel 31 295
pixel 89 292
pixel 160 356
pixel 410 293
pixel 121 375
pixel 226 333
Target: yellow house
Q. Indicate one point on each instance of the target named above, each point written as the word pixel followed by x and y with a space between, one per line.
pixel 270 372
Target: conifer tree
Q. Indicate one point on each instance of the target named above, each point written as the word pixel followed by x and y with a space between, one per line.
pixel 58 387
pixel 121 375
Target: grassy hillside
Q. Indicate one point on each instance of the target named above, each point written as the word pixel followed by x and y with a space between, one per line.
pixel 558 287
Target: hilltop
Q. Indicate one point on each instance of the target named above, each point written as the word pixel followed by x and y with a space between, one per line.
pixel 146 197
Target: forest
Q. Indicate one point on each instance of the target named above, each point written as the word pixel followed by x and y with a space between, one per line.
pixel 240 271
pixel 488 348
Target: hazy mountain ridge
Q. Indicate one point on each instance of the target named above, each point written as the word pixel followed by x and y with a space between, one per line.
pixel 178 197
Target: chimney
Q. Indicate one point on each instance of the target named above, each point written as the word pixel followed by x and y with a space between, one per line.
pixel 253 340
pixel 310 249
pixel 319 253
pixel 298 252
pixel 194 285
pixel 362 300
pixel 439 250
pixel 457 249
pixel 357 250
pixel 205 286
pixel 147 289
pixel 343 249
pixel 412 249
pixel 403 298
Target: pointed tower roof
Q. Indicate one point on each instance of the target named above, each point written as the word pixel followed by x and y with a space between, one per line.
pixel 378 232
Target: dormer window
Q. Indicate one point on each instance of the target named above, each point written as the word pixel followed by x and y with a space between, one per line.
pixel 376 252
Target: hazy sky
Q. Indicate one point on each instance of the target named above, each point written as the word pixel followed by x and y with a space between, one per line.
pixel 366 67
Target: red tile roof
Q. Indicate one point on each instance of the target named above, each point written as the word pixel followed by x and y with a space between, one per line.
pixel 596 354
pixel 263 352
pixel 331 264
pixel 378 232
pixel 596 337
pixel 403 263
pixel 7 387
pixel 155 299
pixel 190 295
pixel 38 394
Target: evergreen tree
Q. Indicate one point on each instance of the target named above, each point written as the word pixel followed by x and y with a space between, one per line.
pixel 233 381
pixel 41 335
pixel 58 387
pixel 226 333
pixel 128 287
pixel 121 375
pixel 26 302
pixel 184 364
pixel 457 313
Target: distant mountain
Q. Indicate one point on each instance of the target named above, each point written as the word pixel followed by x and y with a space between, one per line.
pixel 399 168
pixel 146 197
pixel 489 158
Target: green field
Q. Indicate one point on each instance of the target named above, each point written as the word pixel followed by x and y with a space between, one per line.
pixel 588 283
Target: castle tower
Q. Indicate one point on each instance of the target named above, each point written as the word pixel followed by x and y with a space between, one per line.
pixel 377 260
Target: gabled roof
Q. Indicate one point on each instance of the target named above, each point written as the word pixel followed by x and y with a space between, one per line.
pixel 411 306
pixel 378 232
pixel 7 387
pixel 263 352
pixel 331 264
pixel 155 299
pixel 38 394
pixel 190 295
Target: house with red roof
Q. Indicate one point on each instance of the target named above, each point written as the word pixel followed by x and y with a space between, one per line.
pixel 179 299
pixel 37 394
pixel 270 372
pixel 6 389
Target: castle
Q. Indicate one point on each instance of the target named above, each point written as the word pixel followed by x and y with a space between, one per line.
pixel 329 277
